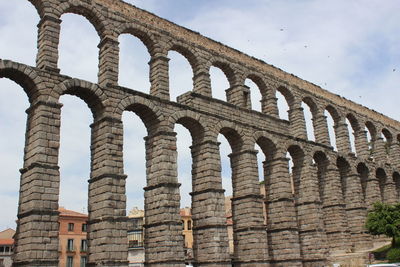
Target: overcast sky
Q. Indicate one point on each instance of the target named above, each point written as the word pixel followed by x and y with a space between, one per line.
pixel 351 48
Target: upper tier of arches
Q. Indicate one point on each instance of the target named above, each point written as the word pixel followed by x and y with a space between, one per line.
pixel 375 137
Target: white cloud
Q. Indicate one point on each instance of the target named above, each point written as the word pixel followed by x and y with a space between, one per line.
pixel 350 48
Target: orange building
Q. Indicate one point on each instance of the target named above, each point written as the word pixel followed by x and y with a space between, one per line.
pixel 6 247
pixel 72 235
pixel 187 224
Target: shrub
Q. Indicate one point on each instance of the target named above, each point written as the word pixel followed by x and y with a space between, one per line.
pixel 393 255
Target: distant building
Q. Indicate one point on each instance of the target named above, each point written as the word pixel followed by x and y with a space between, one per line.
pixel 6 247
pixel 136 238
pixel 187 232
pixel 72 237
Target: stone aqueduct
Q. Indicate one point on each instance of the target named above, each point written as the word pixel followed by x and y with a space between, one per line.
pixel 332 190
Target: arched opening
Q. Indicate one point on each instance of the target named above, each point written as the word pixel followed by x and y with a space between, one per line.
pixel 184 167
pixel 13 103
pixel 322 164
pixel 364 174
pixel 180 75
pixel 226 176
pixel 382 179
pixel 74 155
pixel 388 139
pixel 283 105
pixel 18 36
pixel 255 94
pixel 268 149
pixel 133 63
pixel 331 128
pixel 136 127
pixel 308 117
pixel 352 134
pixel 344 169
pixel 371 136
pixel 78 61
pixel 219 82
pixel 296 162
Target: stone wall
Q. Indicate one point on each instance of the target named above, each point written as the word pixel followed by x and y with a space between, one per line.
pixel 313 212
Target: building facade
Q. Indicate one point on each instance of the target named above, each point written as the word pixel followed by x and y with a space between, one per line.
pixel 73 244
pixel 6 247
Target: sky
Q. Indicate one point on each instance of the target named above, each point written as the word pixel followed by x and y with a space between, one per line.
pixel 351 48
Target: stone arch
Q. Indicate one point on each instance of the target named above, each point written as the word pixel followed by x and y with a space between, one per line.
pixel 262 86
pixel 186 53
pixel 267 146
pixel 372 130
pixel 311 103
pixel 191 121
pixel 227 70
pixel 382 180
pixel 233 134
pixel 322 162
pixel 139 32
pixel 39 6
pixel 388 135
pixel 92 94
pixel 334 113
pixel 363 171
pixel 149 113
pixel 344 169
pixel 298 157
pixel 24 76
pixel 89 11
pixel 287 93
pixel 353 121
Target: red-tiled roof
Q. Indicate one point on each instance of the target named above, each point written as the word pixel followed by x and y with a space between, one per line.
pixel 6 242
pixel 71 213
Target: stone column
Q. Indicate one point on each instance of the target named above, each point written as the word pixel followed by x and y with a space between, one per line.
pixel 334 212
pixel 36 238
pixel 210 235
pixel 321 130
pixel 297 122
pixel 395 154
pixel 362 144
pixel 48 39
pixel 202 82
pixel 239 95
pixel 390 196
pixel 342 136
pixel 356 211
pixel 249 231
pixel 159 76
pixel 163 229
pixel 310 219
pixel 107 225
pixel 108 61
pixel 269 106
pixel 372 191
pixel 380 150
pixel 282 229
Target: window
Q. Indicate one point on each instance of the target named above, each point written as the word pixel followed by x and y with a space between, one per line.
pixel 70 261
pixel 84 245
pixel 70 227
pixel 183 225
pixel 1 262
pixel 83 261
pixel 135 239
pixel 70 245
pixel 84 227
pixel 189 225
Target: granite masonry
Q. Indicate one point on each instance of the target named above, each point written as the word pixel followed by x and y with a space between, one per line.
pixel 313 212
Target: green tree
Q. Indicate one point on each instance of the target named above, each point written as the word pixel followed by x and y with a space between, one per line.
pixel 384 219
